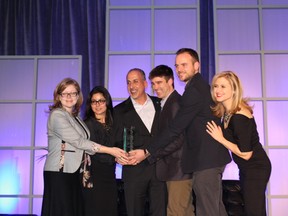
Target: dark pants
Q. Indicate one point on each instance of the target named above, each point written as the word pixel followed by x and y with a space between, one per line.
pixel 142 187
pixel 207 185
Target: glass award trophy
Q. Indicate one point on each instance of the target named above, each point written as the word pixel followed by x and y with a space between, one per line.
pixel 128 138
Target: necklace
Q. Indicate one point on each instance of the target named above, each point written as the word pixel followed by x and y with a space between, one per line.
pixel 227 117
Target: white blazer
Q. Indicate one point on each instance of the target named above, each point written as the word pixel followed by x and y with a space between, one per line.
pixel 63 126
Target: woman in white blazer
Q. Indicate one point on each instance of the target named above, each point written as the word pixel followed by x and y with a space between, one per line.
pixel 68 138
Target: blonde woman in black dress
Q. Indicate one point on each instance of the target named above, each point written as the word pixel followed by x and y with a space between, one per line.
pixel 238 133
pixel 99 184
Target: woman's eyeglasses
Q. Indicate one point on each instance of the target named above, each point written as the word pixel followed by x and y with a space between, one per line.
pixel 71 94
pixel 99 102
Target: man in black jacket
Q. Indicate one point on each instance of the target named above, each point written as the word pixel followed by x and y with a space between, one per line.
pixel 179 184
pixel 202 156
pixel 139 113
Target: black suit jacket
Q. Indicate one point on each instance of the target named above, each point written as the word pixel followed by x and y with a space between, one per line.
pixel 169 167
pixel 200 151
pixel 125 115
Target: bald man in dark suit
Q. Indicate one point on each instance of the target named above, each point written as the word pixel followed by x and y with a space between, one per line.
pixel 141 112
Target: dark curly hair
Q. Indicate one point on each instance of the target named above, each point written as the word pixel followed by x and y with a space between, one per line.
pixel 109 112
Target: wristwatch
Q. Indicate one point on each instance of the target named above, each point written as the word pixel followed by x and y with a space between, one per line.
pixel 146 152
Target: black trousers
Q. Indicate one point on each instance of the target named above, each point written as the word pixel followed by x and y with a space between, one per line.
pixel 207 185
pixel 142 188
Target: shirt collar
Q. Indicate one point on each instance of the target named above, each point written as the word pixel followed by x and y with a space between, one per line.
pixel 134 102
pixel 163 101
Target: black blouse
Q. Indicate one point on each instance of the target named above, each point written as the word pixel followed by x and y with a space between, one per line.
pixel 242 131
pixel 101 134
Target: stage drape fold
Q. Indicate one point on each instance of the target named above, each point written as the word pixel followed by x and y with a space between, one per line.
pixel 76 27
pixel 57 27
pixel 207 44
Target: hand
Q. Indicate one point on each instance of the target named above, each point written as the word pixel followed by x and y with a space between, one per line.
pixel 136 156
pixel 122 161
pixel 120 155
pixel 215 131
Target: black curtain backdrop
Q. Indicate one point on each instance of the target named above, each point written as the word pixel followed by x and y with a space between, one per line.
pixel 77 27
pixel 57 27
pixel 207 45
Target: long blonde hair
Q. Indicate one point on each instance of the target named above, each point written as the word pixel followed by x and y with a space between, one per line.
pixel 238 100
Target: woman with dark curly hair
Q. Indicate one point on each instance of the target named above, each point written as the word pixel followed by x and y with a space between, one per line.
pixel 99 184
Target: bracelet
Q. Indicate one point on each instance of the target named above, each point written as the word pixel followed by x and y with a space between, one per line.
pixel 96 147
